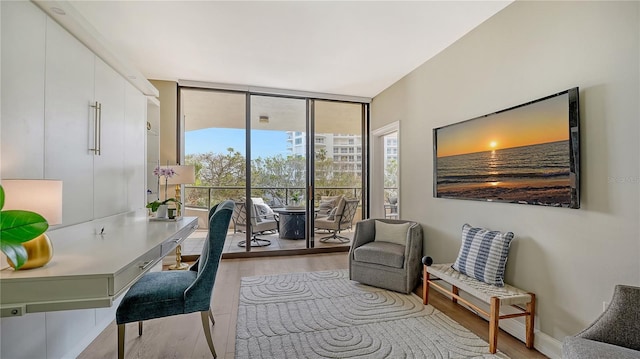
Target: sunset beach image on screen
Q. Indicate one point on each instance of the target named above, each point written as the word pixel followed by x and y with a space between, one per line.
pixel 517 155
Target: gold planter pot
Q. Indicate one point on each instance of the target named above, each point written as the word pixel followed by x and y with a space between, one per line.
pixel 39 252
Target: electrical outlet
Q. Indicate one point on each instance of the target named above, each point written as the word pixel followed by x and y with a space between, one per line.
pixel 604 306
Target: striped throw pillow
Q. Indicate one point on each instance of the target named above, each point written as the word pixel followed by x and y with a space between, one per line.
pixel 483 254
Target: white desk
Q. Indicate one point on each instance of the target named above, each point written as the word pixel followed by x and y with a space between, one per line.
pixel 89 270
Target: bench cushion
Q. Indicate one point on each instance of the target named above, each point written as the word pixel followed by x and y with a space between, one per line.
pixel 483 254
pixel 382 253
pixel 508 294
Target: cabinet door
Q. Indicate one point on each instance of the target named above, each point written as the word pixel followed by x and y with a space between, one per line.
pixel 153 148
pixel 69 121
pixel 134 141
pixel 109 190
pixel 22 81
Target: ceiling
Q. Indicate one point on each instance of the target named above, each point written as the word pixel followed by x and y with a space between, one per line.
pixel 355 48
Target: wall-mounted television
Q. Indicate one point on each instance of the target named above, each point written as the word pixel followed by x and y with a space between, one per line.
pixel 527 154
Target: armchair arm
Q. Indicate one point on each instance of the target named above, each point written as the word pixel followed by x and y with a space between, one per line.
pixel 413 248
pixel 620 323
pixel 365 233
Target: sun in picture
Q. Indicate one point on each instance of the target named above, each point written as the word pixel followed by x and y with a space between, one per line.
pixel 493 144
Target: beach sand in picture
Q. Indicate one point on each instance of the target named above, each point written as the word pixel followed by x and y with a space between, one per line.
pixel 552 192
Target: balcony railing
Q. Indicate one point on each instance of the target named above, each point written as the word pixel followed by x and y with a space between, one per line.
pixel 203 197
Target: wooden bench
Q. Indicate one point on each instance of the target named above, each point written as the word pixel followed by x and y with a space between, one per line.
pixel 492 295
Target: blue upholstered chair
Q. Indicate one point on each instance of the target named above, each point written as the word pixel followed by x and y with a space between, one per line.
pixel 167 293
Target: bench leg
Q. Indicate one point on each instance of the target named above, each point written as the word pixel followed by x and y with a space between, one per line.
pixel 530 320
pixel 425 286
pixel 493 324
pixel 454 290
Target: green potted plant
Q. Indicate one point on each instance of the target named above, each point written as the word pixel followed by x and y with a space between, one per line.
pixel 155 205
pixel 17 227
pixel 295 199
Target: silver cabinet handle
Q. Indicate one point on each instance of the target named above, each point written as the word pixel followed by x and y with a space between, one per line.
pixel 145 265
pixel 97 128
pixel 99 109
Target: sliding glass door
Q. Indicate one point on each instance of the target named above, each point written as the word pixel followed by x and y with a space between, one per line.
pixel 277 157
pixel 338 169
pixel 279 169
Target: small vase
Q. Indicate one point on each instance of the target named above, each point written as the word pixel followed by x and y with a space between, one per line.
pixel 162 211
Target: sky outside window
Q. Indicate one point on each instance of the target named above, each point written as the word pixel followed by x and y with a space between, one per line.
pixel 217 140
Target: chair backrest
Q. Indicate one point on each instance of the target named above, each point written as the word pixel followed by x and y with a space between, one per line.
pixel 349 211
pixel 198 294
pixel 239 214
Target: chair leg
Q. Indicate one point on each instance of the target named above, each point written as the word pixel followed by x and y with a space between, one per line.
pixel 207 331
pixel 335 235
pixel 493 325
pixel 120 341
pixel 213 321
pixel 530 320
pixel 255 242
pixel 140 328
pixel 425 286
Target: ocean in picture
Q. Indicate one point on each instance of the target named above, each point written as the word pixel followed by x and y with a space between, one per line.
pixel 535 174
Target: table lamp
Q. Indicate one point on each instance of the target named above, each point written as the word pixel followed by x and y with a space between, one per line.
pixel 183 175
pixel 43 197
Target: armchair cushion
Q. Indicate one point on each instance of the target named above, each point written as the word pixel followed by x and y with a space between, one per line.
pixel 263 210
pixel 483 254
pixel 326 205
pixel 332 214
pixel 392 233
pixel 382 253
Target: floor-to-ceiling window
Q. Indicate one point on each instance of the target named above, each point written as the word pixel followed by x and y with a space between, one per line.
pixel 255 148
pixel 338 162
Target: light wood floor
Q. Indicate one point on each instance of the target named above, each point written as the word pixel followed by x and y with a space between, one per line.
pixel 182 336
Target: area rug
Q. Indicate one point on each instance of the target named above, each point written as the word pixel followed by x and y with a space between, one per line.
pixel 326 315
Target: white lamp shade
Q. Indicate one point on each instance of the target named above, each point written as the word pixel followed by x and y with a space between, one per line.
pixel 41 196
pixel 184 175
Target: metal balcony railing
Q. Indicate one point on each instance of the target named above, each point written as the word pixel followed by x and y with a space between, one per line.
pixel 203 197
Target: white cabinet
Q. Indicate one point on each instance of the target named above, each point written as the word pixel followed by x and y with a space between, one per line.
pixel 49 81
pixel 153 147
pixel 109 185
pixel 135 114
pixel 22 80
pixel 69 92
pixel 110 178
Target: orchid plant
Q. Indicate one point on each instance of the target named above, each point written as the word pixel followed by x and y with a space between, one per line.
pixel 167 173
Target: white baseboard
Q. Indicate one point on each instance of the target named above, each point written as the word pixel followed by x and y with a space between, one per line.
pixel 542 342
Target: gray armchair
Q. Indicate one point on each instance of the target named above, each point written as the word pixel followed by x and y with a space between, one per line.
pixel 386 265
pixel 615 334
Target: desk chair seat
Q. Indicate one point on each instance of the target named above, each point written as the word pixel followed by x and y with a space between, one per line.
pixel 167 293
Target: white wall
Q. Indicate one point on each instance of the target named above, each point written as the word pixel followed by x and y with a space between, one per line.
pixel 570 258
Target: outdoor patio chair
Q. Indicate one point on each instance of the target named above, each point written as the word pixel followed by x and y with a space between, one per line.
pixel 258 224
pixel 340 220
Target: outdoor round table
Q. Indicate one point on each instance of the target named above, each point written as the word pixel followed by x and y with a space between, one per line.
pixel 292 223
